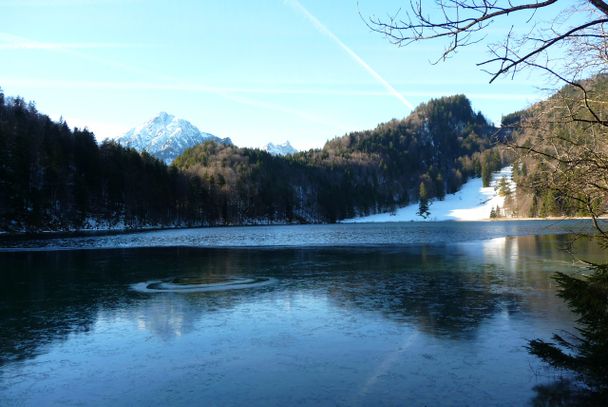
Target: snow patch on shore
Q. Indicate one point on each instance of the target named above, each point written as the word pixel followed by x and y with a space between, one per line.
pixel 472 202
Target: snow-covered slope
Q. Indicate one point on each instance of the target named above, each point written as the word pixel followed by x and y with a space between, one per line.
pixel 280 149
pixel 472 202
pixel 166 137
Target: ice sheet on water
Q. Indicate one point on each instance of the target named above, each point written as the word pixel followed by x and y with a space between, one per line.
pixel 198 285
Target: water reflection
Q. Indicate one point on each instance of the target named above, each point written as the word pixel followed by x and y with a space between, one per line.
pixel 426 303
pixel 165 317
pixel 443 290
pixel 441 295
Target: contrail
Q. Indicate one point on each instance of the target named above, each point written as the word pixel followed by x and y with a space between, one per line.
pixel 326 31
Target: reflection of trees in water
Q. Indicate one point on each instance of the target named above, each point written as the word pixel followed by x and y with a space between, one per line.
pixel 46 296
pixel 39 303
pixel 565 392
pixel 451 290
pixel 445 296
pixel 447 291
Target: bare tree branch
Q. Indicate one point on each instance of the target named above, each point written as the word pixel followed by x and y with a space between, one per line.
pixel 459 21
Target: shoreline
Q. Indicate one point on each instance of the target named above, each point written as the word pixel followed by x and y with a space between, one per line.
pixel 511 219
pixel 555 218
pixel 52 234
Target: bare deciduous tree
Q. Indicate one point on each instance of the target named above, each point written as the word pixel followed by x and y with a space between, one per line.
pixel 577 28
pixel 564 140
pixel 564 137
pixel 565 39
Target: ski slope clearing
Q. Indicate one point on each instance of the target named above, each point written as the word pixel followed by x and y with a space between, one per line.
pixel 472 202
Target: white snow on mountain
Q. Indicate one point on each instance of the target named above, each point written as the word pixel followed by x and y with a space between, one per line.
pixel 471 202
pixel 166 137
pixel 280 149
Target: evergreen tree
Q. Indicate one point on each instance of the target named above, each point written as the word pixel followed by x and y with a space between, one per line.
pixel 503 187
pixel 423 205
pixel 586 352
pixel 440 187
pixel 486 174
pixel 549 204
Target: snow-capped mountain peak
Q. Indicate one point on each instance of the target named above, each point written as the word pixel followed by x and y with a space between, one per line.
pixel 166 137
pixel 280 149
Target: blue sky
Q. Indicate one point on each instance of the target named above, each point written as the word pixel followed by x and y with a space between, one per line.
pixel 254 71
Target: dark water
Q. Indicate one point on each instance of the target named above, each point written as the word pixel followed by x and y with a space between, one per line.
pixel 362 324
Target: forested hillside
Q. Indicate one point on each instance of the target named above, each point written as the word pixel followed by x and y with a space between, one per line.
pixel 430 153
pixel 557 147
pixel 55 178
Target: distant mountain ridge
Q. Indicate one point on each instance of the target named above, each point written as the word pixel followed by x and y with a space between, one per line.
pixel 56 178
pixel 166 137
pixel 430 153
pixel 280 149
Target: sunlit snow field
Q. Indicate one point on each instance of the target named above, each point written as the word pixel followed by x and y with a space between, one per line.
pixel 472 202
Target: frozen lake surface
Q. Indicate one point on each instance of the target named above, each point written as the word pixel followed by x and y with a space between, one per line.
pixel 349 235
pixel 401 314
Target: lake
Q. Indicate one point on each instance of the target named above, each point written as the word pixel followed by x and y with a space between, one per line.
pixel 376 314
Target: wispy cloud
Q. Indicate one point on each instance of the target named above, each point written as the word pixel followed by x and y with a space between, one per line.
pixel 71 49
pixel 11 41
pixel 232 94
pixel 235 93
pixel 56 3
pixel 58 46
pixel 160 82
pixel 327 32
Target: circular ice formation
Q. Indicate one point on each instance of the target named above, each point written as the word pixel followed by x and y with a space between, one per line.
pixel 200 284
